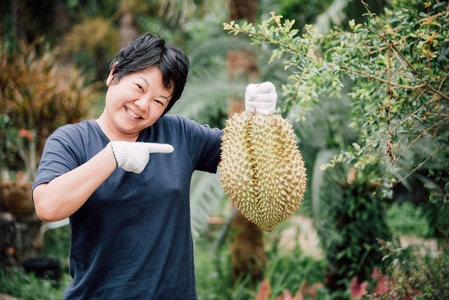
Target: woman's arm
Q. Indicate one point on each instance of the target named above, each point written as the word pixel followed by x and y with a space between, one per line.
pixel 64 195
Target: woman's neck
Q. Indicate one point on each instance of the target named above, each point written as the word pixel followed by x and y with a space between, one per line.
pixel 114 135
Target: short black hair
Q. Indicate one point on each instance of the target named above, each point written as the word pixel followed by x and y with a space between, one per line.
pixel 150 50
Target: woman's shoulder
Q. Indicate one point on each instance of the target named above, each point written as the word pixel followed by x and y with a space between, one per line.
pixel 173 119
pixel 179 121
pixel 188 127
pixel 75 129
pixel 173 122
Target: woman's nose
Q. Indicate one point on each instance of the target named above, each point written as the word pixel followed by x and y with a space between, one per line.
pixel 143 103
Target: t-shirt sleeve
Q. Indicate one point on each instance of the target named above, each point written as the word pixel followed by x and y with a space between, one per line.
pixel 60 155
pixel 205 146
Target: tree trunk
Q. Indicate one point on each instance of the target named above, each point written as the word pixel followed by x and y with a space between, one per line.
pixel 128 30
pixel 63 25
pixel 248 253
pixel 18 12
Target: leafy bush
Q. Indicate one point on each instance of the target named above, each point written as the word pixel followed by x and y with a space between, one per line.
pixel 349 216
pixel 293 271
pixel 57 242
pixel 39 95
pixel 398 66
pixel 28 287
pixel 414 274
pixel 359 219
pixel 407 219
pixel 285 270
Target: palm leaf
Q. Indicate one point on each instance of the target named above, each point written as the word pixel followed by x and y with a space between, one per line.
pixel 206 97
pixel 327 197
pixel 206 197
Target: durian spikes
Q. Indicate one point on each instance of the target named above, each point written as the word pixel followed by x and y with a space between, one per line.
pixel 262 170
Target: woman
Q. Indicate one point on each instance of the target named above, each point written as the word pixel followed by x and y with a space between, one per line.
pixel 129 214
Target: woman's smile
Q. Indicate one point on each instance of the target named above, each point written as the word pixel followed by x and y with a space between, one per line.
pixel 131 113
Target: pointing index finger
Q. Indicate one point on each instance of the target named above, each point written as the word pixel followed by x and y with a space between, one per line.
pixel 159 148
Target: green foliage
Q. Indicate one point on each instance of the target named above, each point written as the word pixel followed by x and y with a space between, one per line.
pixel 302 11
pixel 361 222
pixel 13 147
pixel 285 270
pixel 407 219
pixel 85 44
pixel 206 196
pixel 327 128
pixel 292 270
pixel 212 270
pixel 57 242
pixel 397 69
pixel 414 273
pixel 438 216
pixel 399 66
pixel 349 216
pixel 28 287
pixel 38 95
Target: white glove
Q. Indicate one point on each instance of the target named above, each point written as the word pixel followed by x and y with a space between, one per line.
pixel 134 156
pixel 261 98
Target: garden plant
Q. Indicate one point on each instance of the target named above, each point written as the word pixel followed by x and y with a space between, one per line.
pixel 396 67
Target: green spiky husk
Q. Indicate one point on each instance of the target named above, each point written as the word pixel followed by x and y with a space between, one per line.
pixel 261 168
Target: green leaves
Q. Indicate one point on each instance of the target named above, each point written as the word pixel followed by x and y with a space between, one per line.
pixel 398 69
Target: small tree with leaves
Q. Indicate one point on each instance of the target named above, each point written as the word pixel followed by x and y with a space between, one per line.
pixel 398 68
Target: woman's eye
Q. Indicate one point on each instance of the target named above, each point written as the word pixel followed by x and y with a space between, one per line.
pixel 139 87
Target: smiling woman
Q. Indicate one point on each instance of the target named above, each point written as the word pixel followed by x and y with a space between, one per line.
pixel 133 103
pixel 129 214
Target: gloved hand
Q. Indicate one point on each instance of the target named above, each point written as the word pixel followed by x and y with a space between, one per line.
pixel 261 98
pixel 134 156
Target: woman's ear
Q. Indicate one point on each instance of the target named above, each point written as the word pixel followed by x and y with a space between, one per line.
pixel 110 76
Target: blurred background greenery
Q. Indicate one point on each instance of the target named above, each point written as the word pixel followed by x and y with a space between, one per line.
pixel 55 56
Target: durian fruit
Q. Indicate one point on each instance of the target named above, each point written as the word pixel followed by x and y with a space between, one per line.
pixel 261 168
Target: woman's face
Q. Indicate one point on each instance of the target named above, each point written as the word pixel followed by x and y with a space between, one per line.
pixel 133 104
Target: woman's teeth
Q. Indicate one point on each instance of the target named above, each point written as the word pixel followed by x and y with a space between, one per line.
pixel 132 114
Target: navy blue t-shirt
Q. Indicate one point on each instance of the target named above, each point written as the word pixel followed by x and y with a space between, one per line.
pixel 132 238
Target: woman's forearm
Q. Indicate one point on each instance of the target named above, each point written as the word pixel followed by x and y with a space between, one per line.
pixel 64 195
